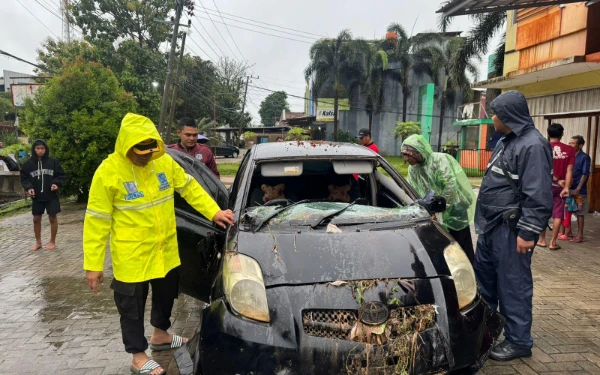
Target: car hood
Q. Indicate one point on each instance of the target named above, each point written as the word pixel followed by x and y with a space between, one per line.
pixel 308 257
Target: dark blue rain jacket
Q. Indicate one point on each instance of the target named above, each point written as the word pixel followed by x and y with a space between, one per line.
pixel 528 159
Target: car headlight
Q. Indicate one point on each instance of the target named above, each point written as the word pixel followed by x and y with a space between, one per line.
pixel 462 273
pixel 245 287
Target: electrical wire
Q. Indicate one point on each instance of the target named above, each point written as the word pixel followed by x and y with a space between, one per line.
pixel 259 32
pixel 262 27
pixel 34 16
pixel 269 24
pixel 26 62
pixel 219 31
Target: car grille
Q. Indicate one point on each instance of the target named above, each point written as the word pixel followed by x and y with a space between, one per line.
pixel 331 324
pixel 337 324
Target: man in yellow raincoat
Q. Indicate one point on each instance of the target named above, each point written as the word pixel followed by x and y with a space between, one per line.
pixel 441 173
pixel 131 198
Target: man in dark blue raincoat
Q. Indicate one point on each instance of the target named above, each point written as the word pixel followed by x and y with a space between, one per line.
pixel 513 207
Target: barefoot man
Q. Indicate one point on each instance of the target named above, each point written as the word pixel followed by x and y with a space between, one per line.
pixel 131 198
pixel 41 177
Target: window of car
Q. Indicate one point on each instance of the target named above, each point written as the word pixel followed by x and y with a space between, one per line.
pixel 314 188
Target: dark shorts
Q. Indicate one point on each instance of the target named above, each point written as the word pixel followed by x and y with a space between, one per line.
pixel 50 207
pixel 558 207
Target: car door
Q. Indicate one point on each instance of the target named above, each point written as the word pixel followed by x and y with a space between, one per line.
pixel 199 239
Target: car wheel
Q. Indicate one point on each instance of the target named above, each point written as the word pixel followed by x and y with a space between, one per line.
pixel 234 155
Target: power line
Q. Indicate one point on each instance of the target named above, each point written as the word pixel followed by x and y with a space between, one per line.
pixel 219 31
pixel 227 28
pixel 265 23
pixel 207 55
pixel 354 107
pixel 211 38
pixel 263 27
pixel 34 16
pixel 25 61
pixel 259 32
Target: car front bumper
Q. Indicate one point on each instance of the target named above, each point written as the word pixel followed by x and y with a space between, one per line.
pixel 230 344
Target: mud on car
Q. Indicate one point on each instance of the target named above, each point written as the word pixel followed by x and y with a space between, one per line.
pixel 334 266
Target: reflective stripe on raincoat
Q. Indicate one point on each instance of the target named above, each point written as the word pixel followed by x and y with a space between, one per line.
pixel 442 174
pixel 135 206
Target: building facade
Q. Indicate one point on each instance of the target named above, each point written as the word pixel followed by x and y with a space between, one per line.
pixel 552 56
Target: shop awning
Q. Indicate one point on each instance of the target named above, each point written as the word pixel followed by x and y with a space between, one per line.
pixel 460 7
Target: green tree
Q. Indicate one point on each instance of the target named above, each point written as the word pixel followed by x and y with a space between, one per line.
pixel 477 43
pixel 334 59
pixel 297 134
pixel 437 61
pixel 406 129
pixel 401 50
pixel 6 108
pixel 79 114
pixel 272 106
pixel 375 62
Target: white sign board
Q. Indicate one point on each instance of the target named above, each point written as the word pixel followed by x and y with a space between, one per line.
pixel 20 92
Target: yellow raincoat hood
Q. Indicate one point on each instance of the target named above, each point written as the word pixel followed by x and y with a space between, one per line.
pixel 135 129
pixel 135 205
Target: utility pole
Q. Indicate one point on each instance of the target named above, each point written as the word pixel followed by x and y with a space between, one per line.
pixel 246 91
pixel 167 89
pixel 66 26
pixel 215 123
pixel 175 91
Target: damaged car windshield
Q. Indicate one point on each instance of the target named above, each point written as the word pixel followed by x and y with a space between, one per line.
pixel 307 213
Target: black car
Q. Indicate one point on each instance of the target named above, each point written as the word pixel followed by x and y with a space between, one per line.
pixel 226 150
pixel 332 267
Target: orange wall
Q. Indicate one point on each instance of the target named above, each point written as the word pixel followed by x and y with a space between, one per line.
pixel 552 33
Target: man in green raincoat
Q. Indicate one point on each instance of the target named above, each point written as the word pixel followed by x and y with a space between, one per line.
pixel 441 173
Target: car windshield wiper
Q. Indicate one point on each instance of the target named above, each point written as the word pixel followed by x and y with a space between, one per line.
pixel 262 222
pixel 330 216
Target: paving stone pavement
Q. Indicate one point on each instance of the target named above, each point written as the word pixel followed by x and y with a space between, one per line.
pixel 50 323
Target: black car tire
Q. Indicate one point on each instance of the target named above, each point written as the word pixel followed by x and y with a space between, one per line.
pixel 234 155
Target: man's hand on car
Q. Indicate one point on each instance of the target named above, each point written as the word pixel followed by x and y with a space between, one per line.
pixel 523 247
pixel 94 279
pixel 224 217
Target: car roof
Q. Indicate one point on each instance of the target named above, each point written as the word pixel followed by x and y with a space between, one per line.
pixel 298 149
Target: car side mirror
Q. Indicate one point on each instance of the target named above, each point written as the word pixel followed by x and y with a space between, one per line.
pixel 436 205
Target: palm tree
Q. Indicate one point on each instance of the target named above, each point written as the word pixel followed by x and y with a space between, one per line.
pixel 336 58
pixel 375 62
pixel 438 62
pixel 479 38
pixel 401 49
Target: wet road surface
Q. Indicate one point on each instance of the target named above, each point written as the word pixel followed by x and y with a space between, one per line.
pixel 50 323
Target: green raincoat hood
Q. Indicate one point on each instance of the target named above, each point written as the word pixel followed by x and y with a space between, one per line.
pixel 419 143
pixel 442 174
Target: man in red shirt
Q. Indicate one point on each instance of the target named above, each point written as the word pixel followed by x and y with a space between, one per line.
pixel 365 139
pixel 188 143
pixel 562 178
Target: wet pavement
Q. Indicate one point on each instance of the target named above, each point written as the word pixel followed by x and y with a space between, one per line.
pixel 50 323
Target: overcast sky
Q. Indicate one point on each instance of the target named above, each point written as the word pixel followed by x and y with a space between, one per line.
pixel 279 62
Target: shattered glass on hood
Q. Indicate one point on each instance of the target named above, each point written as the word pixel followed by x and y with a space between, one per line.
pixel 307 213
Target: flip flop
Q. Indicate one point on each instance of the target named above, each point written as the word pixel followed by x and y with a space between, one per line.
pixel 176 342
pixel 563 237
pixel 147 368
pixel 542 245
pixel 577 240
pixel 555 248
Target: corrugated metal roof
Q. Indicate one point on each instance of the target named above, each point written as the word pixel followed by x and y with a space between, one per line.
pixel 461 7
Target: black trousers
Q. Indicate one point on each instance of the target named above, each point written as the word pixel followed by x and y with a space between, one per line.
pixel 130 299
pixel 464 239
